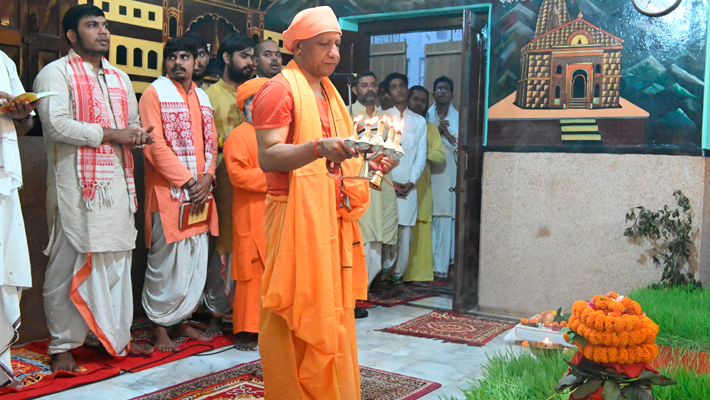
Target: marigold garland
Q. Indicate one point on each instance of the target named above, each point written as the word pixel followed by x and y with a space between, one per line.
pixel 615 329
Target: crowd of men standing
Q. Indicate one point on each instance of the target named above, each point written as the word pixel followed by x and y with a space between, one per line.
pixel 238 157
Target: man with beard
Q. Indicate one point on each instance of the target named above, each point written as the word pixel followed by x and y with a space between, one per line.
pixel 236 54
pixel 421 267
pixel 443 177
pixel 201 61
pixel 379 224
pixel 267 58
pixel 89 127
pixel 179 170
pixel 408 170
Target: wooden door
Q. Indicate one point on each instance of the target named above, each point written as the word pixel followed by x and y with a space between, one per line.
pixel 13 28
pixel 45 41
pixel 470 156
pixel 354 47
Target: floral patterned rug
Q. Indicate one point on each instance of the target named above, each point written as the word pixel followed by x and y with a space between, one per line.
pixel 452 327
pixel 245 382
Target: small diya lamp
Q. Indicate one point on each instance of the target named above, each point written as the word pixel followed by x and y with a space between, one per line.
pixel 352 140
pixel 364 142
pixel 399 151
pixel 377 143
pixel 390 147
pixel 546 348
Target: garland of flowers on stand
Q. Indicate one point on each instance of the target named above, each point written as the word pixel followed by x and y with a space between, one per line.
pixel 615 343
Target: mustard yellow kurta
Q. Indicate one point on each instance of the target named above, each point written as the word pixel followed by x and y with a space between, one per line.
pixel 227 116
pixel 421 259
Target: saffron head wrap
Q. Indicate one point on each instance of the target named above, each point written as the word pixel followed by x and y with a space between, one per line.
pixel 248 89
pixel 309 23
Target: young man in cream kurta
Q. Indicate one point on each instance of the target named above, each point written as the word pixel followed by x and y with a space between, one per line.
pixel 443 177
pixel 92 237
pixel 15 273
pixel 408 170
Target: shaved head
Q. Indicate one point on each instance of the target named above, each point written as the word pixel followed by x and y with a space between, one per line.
pixel 260 46
pixel 267 57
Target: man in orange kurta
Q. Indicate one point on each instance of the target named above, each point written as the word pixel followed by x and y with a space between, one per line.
pixel 179 168
pixel 248 240
pixel 315 263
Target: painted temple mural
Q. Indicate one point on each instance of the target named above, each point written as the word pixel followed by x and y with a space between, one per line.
pixel 567 72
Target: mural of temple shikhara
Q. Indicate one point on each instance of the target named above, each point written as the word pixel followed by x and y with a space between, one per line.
pixel 569 63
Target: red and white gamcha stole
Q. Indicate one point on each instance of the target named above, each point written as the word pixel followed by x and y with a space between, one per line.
pixel 177 128
pixel 95 165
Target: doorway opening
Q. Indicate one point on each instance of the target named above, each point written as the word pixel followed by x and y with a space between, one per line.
pixel 453 43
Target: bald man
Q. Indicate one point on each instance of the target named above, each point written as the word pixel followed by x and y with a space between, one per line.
pixel 267 57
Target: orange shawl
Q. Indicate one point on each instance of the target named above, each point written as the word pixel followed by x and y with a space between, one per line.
pixel 319 267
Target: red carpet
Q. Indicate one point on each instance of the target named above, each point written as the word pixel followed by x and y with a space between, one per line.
pixel 388 297
pixel 245 382
pixel 30 362
pixel 451 327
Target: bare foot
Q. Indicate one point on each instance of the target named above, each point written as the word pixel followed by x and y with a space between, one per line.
pixel 161 339
pixel 64 362
pixel 140 350
pixel 216 327
pixel 245 341
pixel 422 284
pixel 184 329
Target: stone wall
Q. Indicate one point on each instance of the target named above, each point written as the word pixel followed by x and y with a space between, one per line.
pixel 552 225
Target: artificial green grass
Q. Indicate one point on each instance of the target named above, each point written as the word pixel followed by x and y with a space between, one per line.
pixel 511 376
pixel 682 315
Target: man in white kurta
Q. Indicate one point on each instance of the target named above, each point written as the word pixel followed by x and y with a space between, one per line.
pixel 379 224
pixel 15 273
pixel 443 177
pixel 90 205
pixel 408 170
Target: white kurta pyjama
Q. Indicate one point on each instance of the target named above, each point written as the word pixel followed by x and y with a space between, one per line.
pixel 443 179
pixel 409 169
pixel 15 272
pixel 175 277
pixel 102 302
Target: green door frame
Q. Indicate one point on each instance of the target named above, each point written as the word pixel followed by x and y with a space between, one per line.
pixel 351 24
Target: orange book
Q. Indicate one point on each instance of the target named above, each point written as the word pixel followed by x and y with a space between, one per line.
pixel 187 219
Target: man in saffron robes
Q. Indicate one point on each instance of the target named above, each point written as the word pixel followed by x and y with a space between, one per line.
pixel 379 224
pixel 421 260
pixel 179 168
pixel 235 54
pixel 249 240
pixel 88 129
pixel 315 267
pixel 443 177
pixel 15 271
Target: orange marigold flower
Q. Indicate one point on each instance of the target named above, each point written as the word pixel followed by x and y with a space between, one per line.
pixel 523 320
pixel 566 337
pixel 525 343
pixel 589 352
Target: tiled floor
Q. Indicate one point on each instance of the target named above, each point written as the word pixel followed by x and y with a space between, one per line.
pixel 452 365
